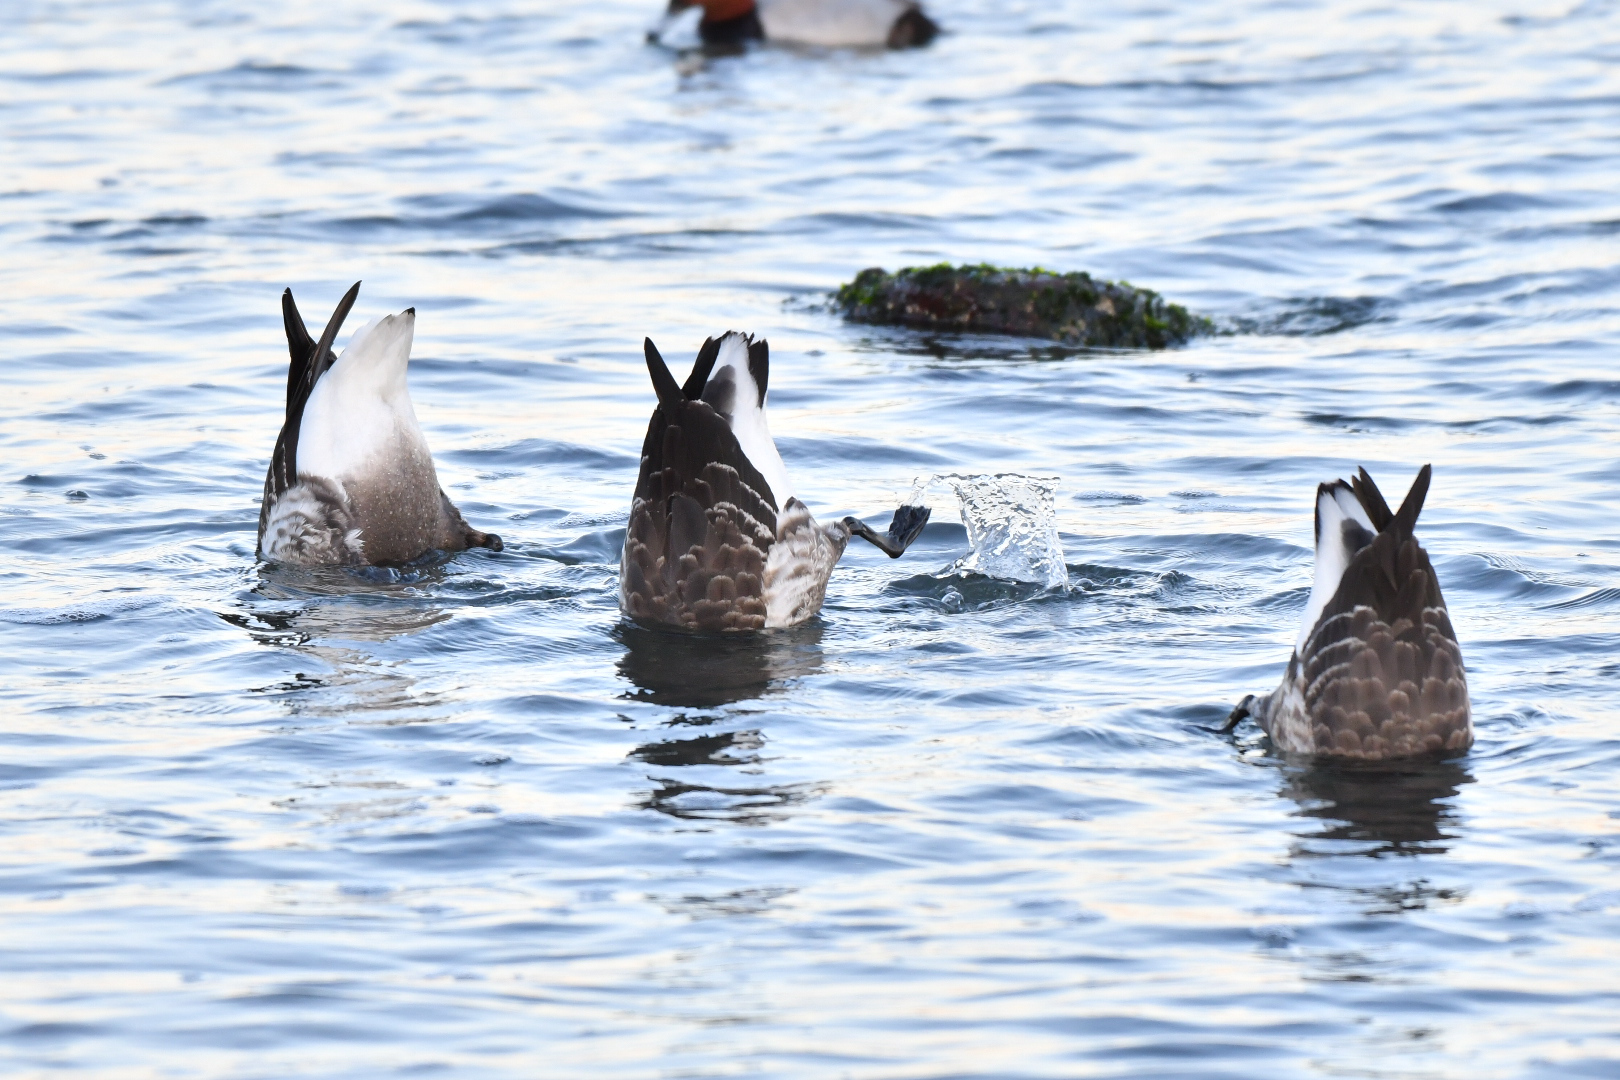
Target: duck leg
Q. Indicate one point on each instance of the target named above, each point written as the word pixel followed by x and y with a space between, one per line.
pixel 1239 714
pixel 903 530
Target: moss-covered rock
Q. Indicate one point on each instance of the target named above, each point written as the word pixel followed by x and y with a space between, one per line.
pixel 1074 309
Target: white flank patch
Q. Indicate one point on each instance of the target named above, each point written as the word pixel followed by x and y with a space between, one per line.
pixel 797 569
pixel 831 24
pixel 1333 557
pixel 360 409
pixel 1288 722
pixel 748 419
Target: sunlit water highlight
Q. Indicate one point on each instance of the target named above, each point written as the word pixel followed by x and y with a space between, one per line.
pixel 463 819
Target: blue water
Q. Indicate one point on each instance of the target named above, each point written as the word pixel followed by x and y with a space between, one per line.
pixel 464 821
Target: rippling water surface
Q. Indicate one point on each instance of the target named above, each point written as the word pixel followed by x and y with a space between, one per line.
pixel 465 821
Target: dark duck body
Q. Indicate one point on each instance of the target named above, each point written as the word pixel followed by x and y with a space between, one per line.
pixel 1376 673
pixel 716 539
pixel 729 25
pixel 351 481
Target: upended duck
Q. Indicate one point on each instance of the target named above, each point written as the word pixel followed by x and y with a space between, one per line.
pixel 831 24
pixel 717 540
pixel 351 481
pixel 1376 672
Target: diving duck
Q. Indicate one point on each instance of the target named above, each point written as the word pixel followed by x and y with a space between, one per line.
pixel 351 481
pixel 717 539
pixel 832 24
pixel 1376 672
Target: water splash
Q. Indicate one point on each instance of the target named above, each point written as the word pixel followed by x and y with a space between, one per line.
pixel 1011 524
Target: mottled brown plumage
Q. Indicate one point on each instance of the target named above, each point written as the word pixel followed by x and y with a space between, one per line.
pixel 715 539
pixel 701 526
pixel 1380 674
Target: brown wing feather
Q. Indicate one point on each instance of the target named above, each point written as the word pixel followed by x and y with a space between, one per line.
pixel 701 526
pixel 1382 671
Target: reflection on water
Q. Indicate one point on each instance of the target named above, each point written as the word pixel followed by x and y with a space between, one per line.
pixel 725 748
pixel 1382 848
pixel 689 799
pixel 724 905
pixel 337 616
pixel 707 671
pixel 1386 810
pixel 334 621
pixel 297 606
pixel 740 805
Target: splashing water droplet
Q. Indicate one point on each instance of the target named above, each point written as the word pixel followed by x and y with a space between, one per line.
pixel 1011 525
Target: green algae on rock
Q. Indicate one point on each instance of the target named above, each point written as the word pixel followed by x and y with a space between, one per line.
pixel 1075 309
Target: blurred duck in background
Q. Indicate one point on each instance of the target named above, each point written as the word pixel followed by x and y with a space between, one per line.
pixel 833 24
pixel 351 481
pixel 1376 672
pixel 717 540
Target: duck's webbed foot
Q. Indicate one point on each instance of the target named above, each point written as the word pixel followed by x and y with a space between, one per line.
pixel 1242 712
pixel 483 539
pixel 903 530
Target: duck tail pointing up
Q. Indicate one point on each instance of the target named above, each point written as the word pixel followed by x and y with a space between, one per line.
pixel 669 391
pixel 1378 512
pixel 333 325
pixel 1406 517
pixel 310 362
pixel 701 367
pixel 300 346
pixel 759 365
pixel 1371 499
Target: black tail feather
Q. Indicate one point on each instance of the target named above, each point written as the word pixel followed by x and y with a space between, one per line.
pixel 318 362
pixel 310 360
pixel 759 365
pixel 1371 499
pixel 701 367
pixel 669 392
pixel 300 346
pixel 1377 507
pixel 1406 517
